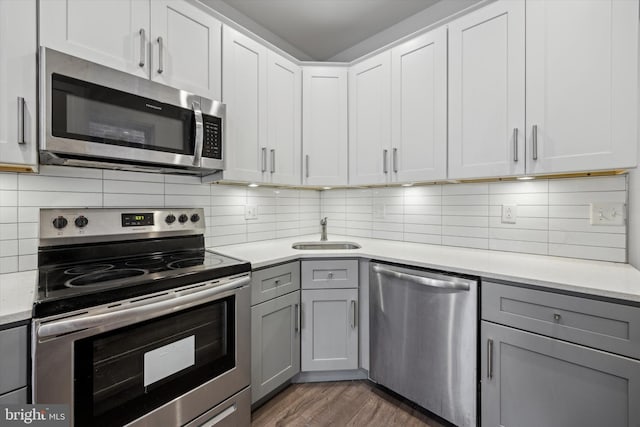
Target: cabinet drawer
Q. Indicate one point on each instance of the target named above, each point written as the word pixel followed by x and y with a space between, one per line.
pixel 16 397
pixel 598 324
pixel 330 274
pixel 274 281
pixel 13 359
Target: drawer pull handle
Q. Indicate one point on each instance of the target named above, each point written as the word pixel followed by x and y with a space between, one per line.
pixel 557 317
pixel 490 358
pixel 297 314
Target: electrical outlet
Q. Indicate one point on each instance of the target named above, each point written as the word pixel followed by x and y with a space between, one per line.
pixel 250 212
pixel 607 213
pixel 509 214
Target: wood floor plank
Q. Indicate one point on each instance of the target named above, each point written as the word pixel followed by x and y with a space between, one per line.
pixel 343 403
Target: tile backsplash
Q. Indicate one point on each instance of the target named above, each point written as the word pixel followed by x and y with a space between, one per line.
pixel 552 216
pixel 281 212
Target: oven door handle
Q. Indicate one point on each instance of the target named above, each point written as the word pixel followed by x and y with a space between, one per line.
pixel 174 302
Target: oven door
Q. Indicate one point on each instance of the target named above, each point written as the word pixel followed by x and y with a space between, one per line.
pixel 92 112
pixel 162 361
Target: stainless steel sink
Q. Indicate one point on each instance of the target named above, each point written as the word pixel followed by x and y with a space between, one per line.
pixel 325 245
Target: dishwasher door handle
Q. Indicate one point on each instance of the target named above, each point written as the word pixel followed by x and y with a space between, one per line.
pixel 422 280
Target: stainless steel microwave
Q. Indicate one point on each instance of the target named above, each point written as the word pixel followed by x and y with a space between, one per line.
pixel 95 116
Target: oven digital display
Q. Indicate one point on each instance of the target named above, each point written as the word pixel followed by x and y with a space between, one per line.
pixel 137 219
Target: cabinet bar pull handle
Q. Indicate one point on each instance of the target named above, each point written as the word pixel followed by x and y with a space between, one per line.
pixel 385 154
pixel 21 120
pixel 160 60
pixel 297 314
pixel 535 142
pixel 306 164
pixel 273 160
pixel 490 359
pixel 515 144
pixel 142 47
pixel 264 159
pixel 395 160
pixel 353 314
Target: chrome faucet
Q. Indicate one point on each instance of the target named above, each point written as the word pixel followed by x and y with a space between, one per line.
pixel 323 233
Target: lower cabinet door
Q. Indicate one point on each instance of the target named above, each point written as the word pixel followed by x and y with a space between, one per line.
pixel 529 380
pixel 275 343
pixel 329 329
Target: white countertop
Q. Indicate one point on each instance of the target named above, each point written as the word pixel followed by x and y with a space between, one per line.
pixel 602 279
pixel 17 291
pixel 598 278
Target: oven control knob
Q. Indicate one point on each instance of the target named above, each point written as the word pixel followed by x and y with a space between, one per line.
pixel 170 219
pixel 60 222
pixel 183 218
pixel 195 218
pixel 81 221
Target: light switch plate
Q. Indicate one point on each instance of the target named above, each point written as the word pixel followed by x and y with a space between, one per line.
pixel 607 213
pixel 509 214
pixel 250 212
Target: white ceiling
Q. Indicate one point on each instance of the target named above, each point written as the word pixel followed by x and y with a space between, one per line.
pixel 323 28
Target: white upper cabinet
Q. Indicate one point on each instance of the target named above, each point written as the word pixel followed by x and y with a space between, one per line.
pixel 244 90
pixel 18 45
pixel 370 120
pixel 284 120
pixel 185 47
pixel 487 92
pixel 582 85
pixel 419 108
pixel 111 33
pixel 324 124
pixel 170 41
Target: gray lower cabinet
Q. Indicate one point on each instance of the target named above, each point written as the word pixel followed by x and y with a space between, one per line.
pixel 275 343
pixel 529 380
pixel 13 359
pixel 16 397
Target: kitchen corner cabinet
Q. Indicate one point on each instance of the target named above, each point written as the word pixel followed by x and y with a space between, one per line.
pixel 18 46
pixel 369 120
pixel 13 365
pixel 581 87
pixel 169 41
pixel 487 92
pixel 324 126
pixel 419 108
pixel 275 327
pixel 329 315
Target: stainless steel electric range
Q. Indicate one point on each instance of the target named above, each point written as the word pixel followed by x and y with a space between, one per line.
pixel 136 323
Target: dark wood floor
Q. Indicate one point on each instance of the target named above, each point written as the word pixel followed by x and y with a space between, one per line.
pixel 344 403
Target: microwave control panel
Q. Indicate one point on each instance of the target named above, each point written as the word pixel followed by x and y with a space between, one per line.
pixel 212 146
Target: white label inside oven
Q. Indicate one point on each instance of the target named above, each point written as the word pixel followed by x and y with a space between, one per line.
pixel 169 359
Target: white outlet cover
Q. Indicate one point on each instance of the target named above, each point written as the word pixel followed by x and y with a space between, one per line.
pixel 251 212
pixel 607 213
pixel 509 214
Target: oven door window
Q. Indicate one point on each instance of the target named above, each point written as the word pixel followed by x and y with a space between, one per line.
pixel 123 374
pixel 89 112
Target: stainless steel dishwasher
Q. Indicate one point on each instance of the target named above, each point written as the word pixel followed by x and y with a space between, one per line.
pixel 423 339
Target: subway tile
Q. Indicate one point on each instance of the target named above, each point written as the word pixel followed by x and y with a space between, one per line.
pixel 431 239
pixel 184 179
pixel 587 197
pixel 519 199
pixel 8 264
pixel 70 172
pixel 423 191
pixel 28 230
pixel 540 236
pixel 27 246
pixel 227 210
pixel 424 210
pixel 8 214
pixel 8 248
pixel 262 235
pixel 541 211
pixel 186 200
pixel 519 187
pixel 524 223
pixel 466 210
pixel 465 189
pixel 8 198
pixel 422 200
pixel 537 248
pixel 58 183
pixel 55 199
pixel 422 229
pixel 133 200
pixel 478 232
pixel 231 239
pixel 466 242
pixel 227 220
pixel 228 229
pixel 334 194
pixel 467 221
pixel 133 187
pixel 588 252
pixel 573 185
pixel 387 235
pixel 8 181
pixel 186 189
pixel 228 190
pixel 287 233
pixel 9 231
pixel 565 224
pixel 569 211
pixel 387 226
pixel 609 240
pixel 27 262
pixel 117 175
pixel 358 232
pixel 466 200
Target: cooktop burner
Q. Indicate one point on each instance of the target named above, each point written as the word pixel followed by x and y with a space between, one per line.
pixel 77 271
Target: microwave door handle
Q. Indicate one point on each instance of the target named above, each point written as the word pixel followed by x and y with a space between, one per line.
pixel 199 134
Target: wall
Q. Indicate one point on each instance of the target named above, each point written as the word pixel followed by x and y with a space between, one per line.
pixel 280 212
pixel 552 216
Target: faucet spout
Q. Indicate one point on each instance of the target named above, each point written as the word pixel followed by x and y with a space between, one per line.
pixel 323 232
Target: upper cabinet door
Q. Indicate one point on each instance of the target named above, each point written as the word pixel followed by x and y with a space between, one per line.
pixel 284 120
pixel 185 48
pixel 245 93
pixel 370 120
pixel 582 85
pixel 111 33
pixel 18 138
pixel 419 108
pixel 324 124
pixel 486 92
